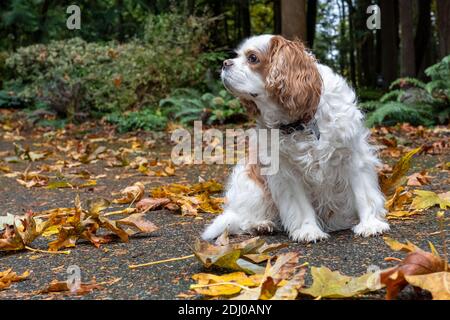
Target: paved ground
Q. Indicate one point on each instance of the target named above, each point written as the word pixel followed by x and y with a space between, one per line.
pixel 176 234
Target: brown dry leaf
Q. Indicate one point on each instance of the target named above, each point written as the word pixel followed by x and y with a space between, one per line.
pixel 281 281
pixel 278 282
pixel 417 262
pixel 138 222
pixel 22 232
pixel 131 194
pixel 427 199
pixel 85 224
pixel 33 179
pixel 149 204
pixel 235 257
pixel 437 283
pixel 399 200
pixel 419 179
pixel 398 173
pixel 62 287
pixel 226 257
pixel 7 277
pixel 333 284
pixel 191 198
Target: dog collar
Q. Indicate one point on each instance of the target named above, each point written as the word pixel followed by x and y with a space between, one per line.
pixel 301 126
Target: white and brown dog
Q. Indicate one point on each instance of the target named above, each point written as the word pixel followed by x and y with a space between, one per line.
pixel 327 177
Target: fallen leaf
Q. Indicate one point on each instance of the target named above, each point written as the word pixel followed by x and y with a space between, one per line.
pixel 398 173
pixel 7 277
pixel 191 198
pixel 417 262
pixel 419 179
pixel 427 199
pixel 333 284
pixel 149 204
pixel 62 287
pixel 131 194
pixel 232 256
pixel 437 283
pixel 225 285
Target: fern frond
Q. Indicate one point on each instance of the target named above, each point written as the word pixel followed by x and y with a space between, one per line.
pixel 394 112
pixel 394 95
pixel 402 82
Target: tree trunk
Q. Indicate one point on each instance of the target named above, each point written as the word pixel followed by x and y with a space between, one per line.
pixel 277 16
pixel 389 41
pixel 43 15
pixel 443 22
pixel 244 7
pixel 311 22
pixel 365 47
pixel 293 21
pixel 407 51
pixel 342 48
pixel 351 14
pixel 423 38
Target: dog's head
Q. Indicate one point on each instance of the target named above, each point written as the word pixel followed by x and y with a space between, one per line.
pixel 271 68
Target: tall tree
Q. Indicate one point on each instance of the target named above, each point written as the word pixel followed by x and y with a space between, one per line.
pixel 244 8
pixel 293 22
pixel 351 33
pixel 443 22
pixel 407 50
pixel 389 40
pixel 365 47
pixel 423 38
pixel 277 16
pixel 311 18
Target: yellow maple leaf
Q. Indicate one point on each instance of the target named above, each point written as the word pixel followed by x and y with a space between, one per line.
pixel 427 199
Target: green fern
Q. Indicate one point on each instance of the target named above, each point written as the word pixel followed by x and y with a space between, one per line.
pixel 411 100
pixel 392 112
pixel 407 82
pixel 187 105
pixel 395 95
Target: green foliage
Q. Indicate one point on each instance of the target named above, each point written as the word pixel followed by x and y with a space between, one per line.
pixel 146 119
pixel 368 94
pixel 188 105
pixel 115 77
pixel 411 100
pixel 10 101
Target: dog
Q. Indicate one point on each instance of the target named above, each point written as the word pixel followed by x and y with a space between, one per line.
pixel 327 178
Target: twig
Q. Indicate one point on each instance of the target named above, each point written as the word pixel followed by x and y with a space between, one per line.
pixel 198 286
pixel 46 251
pixel 134 266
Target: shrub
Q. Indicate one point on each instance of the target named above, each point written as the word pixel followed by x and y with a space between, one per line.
pixel 115 77
pixel 411 100
pixel 3 56
pixel 146 119
pixel 188 105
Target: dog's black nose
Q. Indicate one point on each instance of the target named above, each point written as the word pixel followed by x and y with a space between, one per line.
pixel 227 63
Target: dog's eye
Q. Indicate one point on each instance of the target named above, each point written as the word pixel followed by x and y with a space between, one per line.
pixel 252 58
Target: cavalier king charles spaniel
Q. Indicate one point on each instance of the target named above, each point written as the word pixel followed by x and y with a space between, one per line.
pixel 327 178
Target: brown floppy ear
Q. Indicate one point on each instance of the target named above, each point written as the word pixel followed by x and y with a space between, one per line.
pixel 250 107
pixel 293 79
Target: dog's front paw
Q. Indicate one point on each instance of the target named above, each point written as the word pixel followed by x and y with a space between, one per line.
pixel 262 227
pixel 371 227
pixel 308 233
